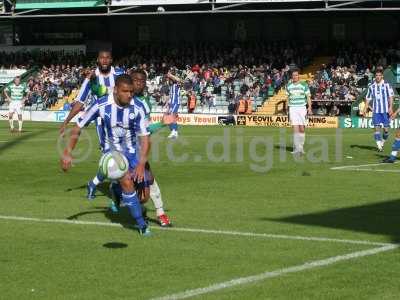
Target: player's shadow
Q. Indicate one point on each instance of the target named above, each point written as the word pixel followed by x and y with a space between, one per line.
pixel 81 187
pixel 21 138
pixel 122 217
pixel 286 148
pixel 364 147
pixel 378 218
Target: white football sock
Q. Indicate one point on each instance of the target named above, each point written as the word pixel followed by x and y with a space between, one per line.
pixel 295 141
pixel 302 138
pixel 155 195
pixel 19 125
pixel 11 123
pixel 394 153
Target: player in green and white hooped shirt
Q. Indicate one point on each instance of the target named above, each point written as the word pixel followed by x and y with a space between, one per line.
pixel 16 95
pixel 298 97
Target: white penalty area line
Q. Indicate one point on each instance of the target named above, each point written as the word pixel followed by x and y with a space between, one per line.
pixel 205 231
pixel 364 167
pixel 271 274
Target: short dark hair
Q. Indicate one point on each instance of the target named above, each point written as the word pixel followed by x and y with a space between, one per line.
pixel 123 79
pixel 379 70
pixel 295 70
pixel 104 50
pixel 138 71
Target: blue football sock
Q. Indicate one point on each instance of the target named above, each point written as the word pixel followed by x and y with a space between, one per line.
pixel 173 126
pixel 385 135
pixel 377 136
pixel 98 179
pixel 132 202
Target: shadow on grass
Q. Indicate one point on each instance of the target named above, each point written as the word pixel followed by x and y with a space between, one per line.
pixel 364 147
pixel 122 217
pixel 286 148
pixel 20 138
pixel 378 218
pixel 115 245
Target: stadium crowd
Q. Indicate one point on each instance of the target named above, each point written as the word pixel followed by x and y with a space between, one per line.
pixel 337 85
pixel 215 75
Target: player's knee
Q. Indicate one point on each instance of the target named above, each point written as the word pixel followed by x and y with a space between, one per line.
pixel 127 184
pixel 398 134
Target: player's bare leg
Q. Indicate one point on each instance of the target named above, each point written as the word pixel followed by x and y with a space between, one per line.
pixel 11 121
pixel 19 123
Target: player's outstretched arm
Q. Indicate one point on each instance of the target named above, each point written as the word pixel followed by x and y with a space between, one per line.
pixel 309 109
pixel 174 78
pixel 7 95
pixel 390 106
pixel 84 92
pixel 74 111
pixel 66 159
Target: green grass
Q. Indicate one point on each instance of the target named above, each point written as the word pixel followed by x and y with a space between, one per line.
pixel 65 261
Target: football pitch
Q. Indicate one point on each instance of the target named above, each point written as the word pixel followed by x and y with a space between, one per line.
pixel 250 221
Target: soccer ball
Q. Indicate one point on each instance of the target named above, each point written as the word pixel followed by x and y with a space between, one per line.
pixel 113 165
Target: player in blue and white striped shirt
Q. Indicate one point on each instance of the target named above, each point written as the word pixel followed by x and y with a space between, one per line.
pixel 123 122
pixel 174 102
pixel 381 94
pixel 97 83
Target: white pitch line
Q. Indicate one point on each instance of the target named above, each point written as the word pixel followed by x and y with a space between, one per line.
pixel 276 273
pixel 357 166
pixel 371 170
pixel 206 231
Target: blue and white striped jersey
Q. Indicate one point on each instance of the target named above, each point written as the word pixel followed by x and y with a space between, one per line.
pixel 174 97
pixel 122 125
pixel 108 81
pixel 380 94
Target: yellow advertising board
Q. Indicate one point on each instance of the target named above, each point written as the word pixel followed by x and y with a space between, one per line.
pixel 283 121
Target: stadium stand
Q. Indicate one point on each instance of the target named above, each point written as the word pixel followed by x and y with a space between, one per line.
pixel 246 77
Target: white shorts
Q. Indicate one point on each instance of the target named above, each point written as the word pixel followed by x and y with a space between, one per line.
pixel 15 106
pixel 297 115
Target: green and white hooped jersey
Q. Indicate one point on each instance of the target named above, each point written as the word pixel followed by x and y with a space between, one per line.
pixel 17 92
pixel 146 105
pixel 297 93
